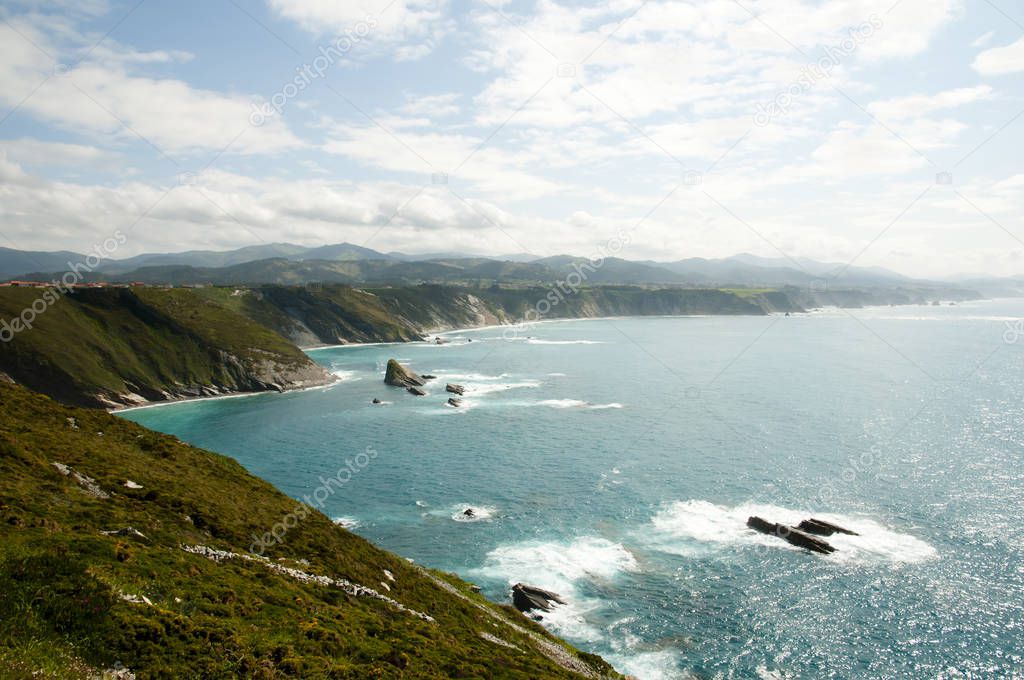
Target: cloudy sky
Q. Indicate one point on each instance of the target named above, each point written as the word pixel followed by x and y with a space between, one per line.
pixel 886 133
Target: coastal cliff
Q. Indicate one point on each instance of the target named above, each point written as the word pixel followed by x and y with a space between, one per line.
pixel 117 347
pixel 112 347
pixel 128 554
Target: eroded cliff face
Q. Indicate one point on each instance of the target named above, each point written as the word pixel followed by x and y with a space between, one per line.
pixel 342 314
pixel 110 348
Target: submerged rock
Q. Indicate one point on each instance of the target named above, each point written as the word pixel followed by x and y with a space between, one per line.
pixel 528 598
pixel 398 375
pixel 415 390
pixel 469 512
pixel 455 402
pixel 455 389
pixel 791 535
pixel 375 401
pixel 427 376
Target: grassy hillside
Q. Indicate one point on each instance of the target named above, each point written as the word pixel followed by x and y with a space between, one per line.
pixel 99 347
pixel 178 595
pixel 330 314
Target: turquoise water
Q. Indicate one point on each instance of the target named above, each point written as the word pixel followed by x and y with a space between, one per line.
pixel 616 461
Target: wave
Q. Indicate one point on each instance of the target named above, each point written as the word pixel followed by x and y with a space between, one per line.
pixel 561 567
pixel 347 522
pixel 576 403
pixel 481 513
pixel 693 527
pixel 557 565
pixel 477 388
pixel 661 665
pixel 535 341
pixel 346 376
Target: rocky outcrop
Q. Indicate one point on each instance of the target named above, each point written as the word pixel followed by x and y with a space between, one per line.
pixel 455 402
pixel 416 391
pixel 398 375
pixel 529 598
pixel 820 527
pixel 455 389
pixel 791 535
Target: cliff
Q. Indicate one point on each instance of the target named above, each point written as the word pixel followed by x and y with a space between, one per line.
pixel 126 553
pixel 127 346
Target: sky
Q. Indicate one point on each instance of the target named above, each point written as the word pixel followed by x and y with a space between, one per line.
pixel 879 133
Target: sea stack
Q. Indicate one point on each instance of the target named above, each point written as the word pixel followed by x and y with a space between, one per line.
pixel 527 598
pixel 792 535
pixel 400 376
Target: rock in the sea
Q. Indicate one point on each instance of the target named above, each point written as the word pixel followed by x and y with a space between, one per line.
pixel 375 401
pixel 528 598
pixel 427 376
pixel 791 535
pixel 400 376
pixel 820 527
pixel 455 402
pixel 455 389
pixel 440 341
pixel 415 390
pixel 469 512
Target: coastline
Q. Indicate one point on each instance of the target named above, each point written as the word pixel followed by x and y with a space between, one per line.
pixel 229 395
pixel 438 332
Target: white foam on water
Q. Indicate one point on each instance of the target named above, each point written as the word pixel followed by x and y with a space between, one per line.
pixel 575 403
pixel 346 376
pixel 661 665
pixel 479 377
pixel 421 504
pixel 481 513
pixel 347 522
pixel 476 389
pixel 535 341
pixel 691 527
pixel 557 375
pixel 559 567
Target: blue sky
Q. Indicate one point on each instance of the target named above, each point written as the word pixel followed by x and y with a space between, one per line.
pixel 705 128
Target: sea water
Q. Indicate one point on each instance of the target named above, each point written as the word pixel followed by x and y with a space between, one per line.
pixel 616 461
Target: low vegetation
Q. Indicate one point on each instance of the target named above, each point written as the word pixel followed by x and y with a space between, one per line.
pixel 105 566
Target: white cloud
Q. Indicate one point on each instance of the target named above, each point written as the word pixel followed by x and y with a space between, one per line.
pixel 28 151
pixel 411 29
pixel 1001 60
pixel 108 100
pixel 983 39
pixel 432 106
pixel 901 108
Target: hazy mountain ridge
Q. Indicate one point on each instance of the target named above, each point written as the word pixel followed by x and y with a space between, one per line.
pixel 284 263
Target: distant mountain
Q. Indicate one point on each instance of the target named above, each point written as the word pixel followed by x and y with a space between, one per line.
pixel 17 263
pixel 230 258
pixel 820 269
pixel 288 263
pixel 342 252
pixel 612 270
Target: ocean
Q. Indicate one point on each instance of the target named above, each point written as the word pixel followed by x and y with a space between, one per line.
pixel 616 461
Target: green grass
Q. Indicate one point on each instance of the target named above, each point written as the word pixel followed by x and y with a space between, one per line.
pixel 61 580
pixel 109 342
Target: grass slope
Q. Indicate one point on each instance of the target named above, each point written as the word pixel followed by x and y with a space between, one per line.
pixel 89 347
pixel 75 602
